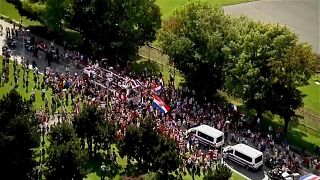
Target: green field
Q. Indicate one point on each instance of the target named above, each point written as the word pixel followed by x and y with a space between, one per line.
pixel 312 100
pixel 8 9
pixel 167 7
pixel 22 90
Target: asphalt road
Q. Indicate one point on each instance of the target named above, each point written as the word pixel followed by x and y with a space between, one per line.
pixel 258 175
pixel 301 16
pixel 19 52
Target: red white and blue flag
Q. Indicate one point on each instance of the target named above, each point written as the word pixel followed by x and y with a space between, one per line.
pixel 158 103
pixel 309 177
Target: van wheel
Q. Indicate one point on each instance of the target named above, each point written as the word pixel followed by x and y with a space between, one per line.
pixel 247 168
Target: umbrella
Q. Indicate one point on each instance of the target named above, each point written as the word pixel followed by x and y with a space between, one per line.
pixel 309 177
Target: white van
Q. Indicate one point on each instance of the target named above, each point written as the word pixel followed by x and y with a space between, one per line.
pixel 245 155
pixel 208 135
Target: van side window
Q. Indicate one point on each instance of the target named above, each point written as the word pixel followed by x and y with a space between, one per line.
pixel 209 138
pixel 258 159
pixel 242 156
pixel 219 139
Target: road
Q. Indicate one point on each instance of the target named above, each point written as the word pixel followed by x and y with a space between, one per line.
pixel 259 175
pixel 301 16
pixel 41 63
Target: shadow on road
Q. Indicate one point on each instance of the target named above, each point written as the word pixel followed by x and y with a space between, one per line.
pixel 258 175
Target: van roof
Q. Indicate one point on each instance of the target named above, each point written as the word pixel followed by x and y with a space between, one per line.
pixel 208 130
pixel 247 150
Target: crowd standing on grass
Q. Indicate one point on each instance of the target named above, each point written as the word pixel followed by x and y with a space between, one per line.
pixel 128 98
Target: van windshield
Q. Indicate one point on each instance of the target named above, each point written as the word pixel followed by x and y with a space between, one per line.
pixel 258 159
pixel 219 139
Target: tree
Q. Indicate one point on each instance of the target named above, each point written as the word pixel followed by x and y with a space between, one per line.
pixel 92 126
pixel 61 134
pixel 193 38
pixel 54 14
pixel 151 151
pixel 18 137
pixel 105 136
pixel 117 28
pixel 293 70
pixel 167 158
pixel 266 65
pixel 222 172
pixel 57 13
pixel 66 159
pixel 139 144
pixel 33 9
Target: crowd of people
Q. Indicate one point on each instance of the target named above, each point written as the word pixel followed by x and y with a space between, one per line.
pixel 128 98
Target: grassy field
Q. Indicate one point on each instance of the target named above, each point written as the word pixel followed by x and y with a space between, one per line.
pixel 22 90
pixel 312 100
pixel 167 7
pixel 8 9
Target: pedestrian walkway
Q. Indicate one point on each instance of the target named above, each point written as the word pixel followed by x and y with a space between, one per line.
pixel 20 52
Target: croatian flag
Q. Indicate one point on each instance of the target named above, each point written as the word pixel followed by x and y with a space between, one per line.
pixel 159 104
pixel 158 89
pixel 309 177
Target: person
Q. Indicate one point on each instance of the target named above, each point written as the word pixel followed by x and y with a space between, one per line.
pixel 103 169
pixel 1 29
pixel 317 149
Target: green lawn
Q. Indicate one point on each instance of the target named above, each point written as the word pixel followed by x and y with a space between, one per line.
pixel 22 90
pixel 167 7
pixel 312 100
pixel 156 68
pixel 8 9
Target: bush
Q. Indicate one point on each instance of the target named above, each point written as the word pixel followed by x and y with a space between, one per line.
pixel 222 172
pixel 36 9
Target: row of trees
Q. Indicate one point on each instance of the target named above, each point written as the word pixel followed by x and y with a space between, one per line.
pixel 264 64
pixel 72 145
pixel 110 29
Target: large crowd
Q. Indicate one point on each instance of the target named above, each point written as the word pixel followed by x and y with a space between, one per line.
pixel 128 98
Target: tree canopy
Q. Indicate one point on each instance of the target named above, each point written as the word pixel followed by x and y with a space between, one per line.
pixel 92 126
pixel 18 137
pixel 265 66
pixel 56 12
pixel 117 28
pixel 152 151
pixel 193 38
pixel 66 159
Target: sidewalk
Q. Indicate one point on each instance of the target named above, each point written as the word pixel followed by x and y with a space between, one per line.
pixel 19 52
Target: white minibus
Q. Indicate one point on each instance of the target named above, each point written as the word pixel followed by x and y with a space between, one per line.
pixel 208 135
pixel 245 155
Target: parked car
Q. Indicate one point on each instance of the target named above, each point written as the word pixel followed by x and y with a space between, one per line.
pixel 278 174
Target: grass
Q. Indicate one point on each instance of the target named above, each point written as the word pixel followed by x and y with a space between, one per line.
pixel 167 7
pixel 22 90
pixel 9 10
pixel 94 167
pixel 156 68
pixel 312 100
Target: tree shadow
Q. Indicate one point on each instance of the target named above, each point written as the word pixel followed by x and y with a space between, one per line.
pixel 94 166
pixel 72 38
pixel 94 163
